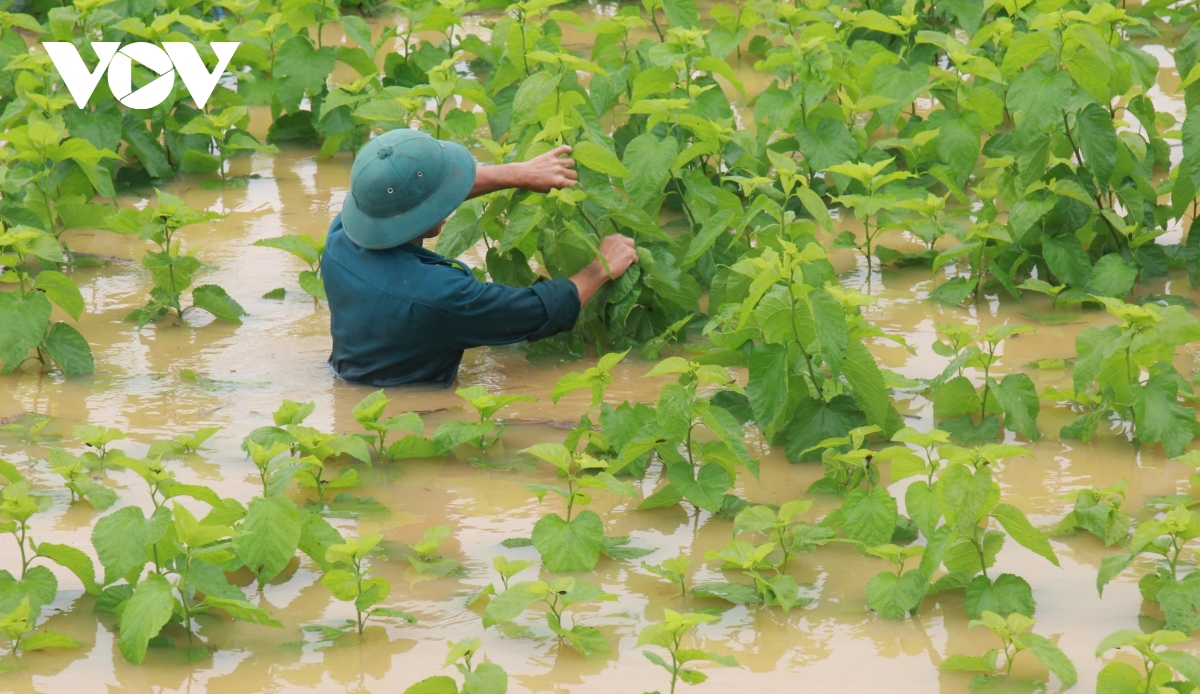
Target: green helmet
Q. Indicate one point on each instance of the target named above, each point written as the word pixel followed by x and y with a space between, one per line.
pixel 401 185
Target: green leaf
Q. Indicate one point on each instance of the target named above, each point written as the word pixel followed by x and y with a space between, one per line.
pixel 567 547
pixel 61 290
pixel 967 496
pixel 312 284
pixel 1019 528
pixel 72 559
pixel 1185 664
pixel 870 518
pixel 969 663
pixel 954 292
pixel 25 319
pixel 1051 656
pixel 69 350
pixel 1159 418
pixel 599 159
pixel 1180 602
pixel 956 397
pixel 534 91
pixel 120 539
pixel 870 390
pixel 1007 595
pixel 706 490
pixel 48 639
pixel 1018 398
pixel 649 161
pixel 1112 276
pixel 302 246
pixel 216 301
pixel 243 611
pixel 1097 139
pixel 269 536
pixel 507 605
pixel 682 13
pixel 922 506
pixel 894 597
pixel 144 615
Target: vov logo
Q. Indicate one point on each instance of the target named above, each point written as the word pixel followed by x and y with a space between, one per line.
pixel 172 57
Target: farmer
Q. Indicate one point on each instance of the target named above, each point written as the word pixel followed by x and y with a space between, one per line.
pixel 402 314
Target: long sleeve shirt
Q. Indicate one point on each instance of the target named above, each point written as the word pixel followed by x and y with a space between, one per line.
pixel 405 314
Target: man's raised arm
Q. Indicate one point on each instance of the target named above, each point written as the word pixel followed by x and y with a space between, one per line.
pixel 543 173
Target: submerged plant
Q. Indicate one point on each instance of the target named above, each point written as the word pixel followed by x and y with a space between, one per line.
pixel 348 579
pixel 481 678
pixel 558 596
pixel 1014 633
pixel 669 634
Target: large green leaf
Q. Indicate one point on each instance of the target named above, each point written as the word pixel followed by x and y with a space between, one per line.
pixel 1006 595
pixel 894 597
pixel 1036 99
pixel 649 161
pixel 869 518
pixel 121 540
pixel 1180 603
pixel 72 559
pixel 144 615
pixel 768 387
pixel 1097 139
pixel 61 290
pixel 956 397
pixel 814 421
pixel 217 301
pixel 870 390
pixel 682 13
pixel 706 490
pixel 1159 418
pixel 267 540
pixel 573 546
pixel 1051 656
pixel 69 350
pixel 1019 400
pixel 1020 529
pixel 599 159
pixel 25 319
pixel 967 496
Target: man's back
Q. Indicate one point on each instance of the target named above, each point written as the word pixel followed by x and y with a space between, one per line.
pixel 404 314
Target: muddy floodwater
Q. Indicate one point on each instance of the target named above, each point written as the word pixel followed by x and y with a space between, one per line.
pixel 146 384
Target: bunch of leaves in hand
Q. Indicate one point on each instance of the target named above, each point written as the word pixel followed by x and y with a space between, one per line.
pixel 27 256
pixel 957 401
pixel 1014 633
pixel 308 249
pixel 1126 371
pixel 669 635
pixel 1163 669
pixel 348 579
pixel 558 595
pixel 1098 511
pixel 483 678
pixel 171 272
pixel 576 542
pixel 369 413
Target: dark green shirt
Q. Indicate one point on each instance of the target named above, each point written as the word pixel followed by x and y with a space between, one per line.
pixel 405 314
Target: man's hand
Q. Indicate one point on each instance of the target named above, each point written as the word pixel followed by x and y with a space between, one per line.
pixel 618 254
pixel 554 169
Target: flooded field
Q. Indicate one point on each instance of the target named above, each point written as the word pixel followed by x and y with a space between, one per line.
pixel 168 379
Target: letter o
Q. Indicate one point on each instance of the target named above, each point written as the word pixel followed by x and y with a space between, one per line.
pixel 120 75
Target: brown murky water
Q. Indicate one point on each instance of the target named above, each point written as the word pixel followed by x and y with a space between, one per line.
pixel 280 351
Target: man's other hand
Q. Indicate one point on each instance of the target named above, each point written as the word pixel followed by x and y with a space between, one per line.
pixel 619 254
pixel 554 169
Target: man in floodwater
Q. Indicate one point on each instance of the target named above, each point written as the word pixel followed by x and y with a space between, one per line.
pixel 402 314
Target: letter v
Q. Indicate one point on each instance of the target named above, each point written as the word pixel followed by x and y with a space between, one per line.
pixel 198 80
pixel 75 75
